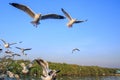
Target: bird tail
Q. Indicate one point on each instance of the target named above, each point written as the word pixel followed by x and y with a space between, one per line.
pixel 35 23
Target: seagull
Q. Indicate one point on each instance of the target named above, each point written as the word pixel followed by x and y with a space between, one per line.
pixel 36 17
pixel 12 75
pixel 26 69
pixel 9 52
pixel 47 73
pixel 23 49
pixel 7 45
pixel 15 55
pixel 12 53
pixel 75 49
pixel 17 77
pixel 71 20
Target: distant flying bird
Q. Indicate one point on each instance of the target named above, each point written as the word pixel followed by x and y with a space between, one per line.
pixel 47 73
pixel 75 49
pixel 15 55
pixel 36 17
pixel 23 49
pixel 7 45
pixel 12 53
pixel 71 20
pixel 9 52
pixel 20 42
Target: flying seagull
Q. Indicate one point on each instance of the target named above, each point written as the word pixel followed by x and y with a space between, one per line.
pixel 26 68
pixel 47 73
pixel 75 49
pixel 36 17
pixel 7 45
pixel 15 55
pixel 23 49
pixel 9 52
pixel 71 20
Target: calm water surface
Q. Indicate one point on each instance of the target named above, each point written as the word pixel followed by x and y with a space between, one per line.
pixel 78 78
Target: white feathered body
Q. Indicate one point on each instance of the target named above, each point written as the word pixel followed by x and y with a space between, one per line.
pixel 71 22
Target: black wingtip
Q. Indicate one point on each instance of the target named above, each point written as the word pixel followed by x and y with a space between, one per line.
pixel 10 3
pixel 13 4
pixel 62 17
pixel 62 9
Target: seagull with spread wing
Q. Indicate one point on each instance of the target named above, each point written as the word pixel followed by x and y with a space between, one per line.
pixel 26 68
pixel 36 17
pixel 23 49
pixel 75 49
pixel 71 20
pixel 15 54
pixel 47 73
pixel 7 45
pixel 9 52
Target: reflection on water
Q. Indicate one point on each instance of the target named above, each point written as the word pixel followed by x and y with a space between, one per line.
pixel 75 78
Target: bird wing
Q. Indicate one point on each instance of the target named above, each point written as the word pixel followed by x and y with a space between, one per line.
pixel 16 54
pixel 24 8
pixel 80 21
pixel 44 66
pixel 66 14
pixel 12 43
pixel 9 52
pixel 3 41
pixel 52 16
pixel 75 49
pixel 19 48
pixel 27 49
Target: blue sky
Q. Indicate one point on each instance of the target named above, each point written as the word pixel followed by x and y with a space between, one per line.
pixel 98 38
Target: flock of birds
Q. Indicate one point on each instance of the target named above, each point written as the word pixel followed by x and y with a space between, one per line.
pixel 37 17
pixel 47 73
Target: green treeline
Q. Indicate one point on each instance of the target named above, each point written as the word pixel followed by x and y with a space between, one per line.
pixel 66 69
